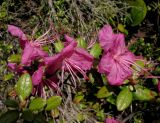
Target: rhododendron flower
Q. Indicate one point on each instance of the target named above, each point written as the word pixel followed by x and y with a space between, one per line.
pixel 71 58
pixel 111 120
pixel 117 59
pixel 31 49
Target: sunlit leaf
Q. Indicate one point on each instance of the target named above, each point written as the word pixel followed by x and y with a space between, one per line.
pixel 124 99
pixel 96 50
pixel 53 102
pixel 24 86
pixel 37 104
pixel 143 93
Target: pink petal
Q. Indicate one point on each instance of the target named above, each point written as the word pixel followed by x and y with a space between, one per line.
pixel 120 70
pixel 55 62
pixel 12 66
pixel 111 120
pixel 119 44
pixel 15 68
pixel 15 31
pixel 106 37
pixel 31 53
pixel 69 39
pixel 28 54
pixel 38 76
pixel 106 63
pixel 82 59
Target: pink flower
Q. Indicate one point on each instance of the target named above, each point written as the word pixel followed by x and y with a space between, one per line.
pixel 17 32
pixel 71 58
pixel 31 49
pixel 117 59
pixel 111 120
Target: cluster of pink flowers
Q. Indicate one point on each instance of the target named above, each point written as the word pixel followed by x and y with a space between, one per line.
pixel 116 62
pixel 70 58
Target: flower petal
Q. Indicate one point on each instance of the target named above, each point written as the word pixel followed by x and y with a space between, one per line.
pixel 82 59
pixel 119 44
pixel 111 120
pixel 55 62
pixel 118 73
pixel 106 63
pixel 30 53
pixel 106 37
pixel 38 75
pixel 15 31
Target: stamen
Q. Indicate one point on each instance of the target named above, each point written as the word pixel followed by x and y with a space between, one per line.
pixel 78 69
pixel 69 68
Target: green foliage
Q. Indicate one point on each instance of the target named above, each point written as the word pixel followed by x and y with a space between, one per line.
pixel 96 50
pixel 10 116
pixel 37 104
pixel 138 12
pixel 53 102
pixel 143 93
pixel 11 103
pixel 124 99
pixel 81 43
pixel 24 86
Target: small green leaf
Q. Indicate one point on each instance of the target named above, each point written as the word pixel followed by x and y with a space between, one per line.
pixel 37 104
pixel 96 50
pixel 27 115
pixel 124 99
pixel 81 43
pixel 78 97
pixel 53 102
pixel 111 99
pixel 103 92
pixel 8 76
pixel 15 58
pixel 10 116
pixel 11 103
pixel 58 46
pixel 24 86
pixel 143 94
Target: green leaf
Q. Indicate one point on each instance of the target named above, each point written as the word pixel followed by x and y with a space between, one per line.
pixel 81 43
pixel 103 92
pixel 111 99
pixel 96 50
pixel 53 102
pixel 78 97
pixel 37 104
pixel 15 58
pixel 11 103
pixel 138 12
pixel 10 116
pixel 39 118
pixel 27 115
pixel 124 99
pixel 143 94
pixel 58 46
pixel 24 86
pixel 8 76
